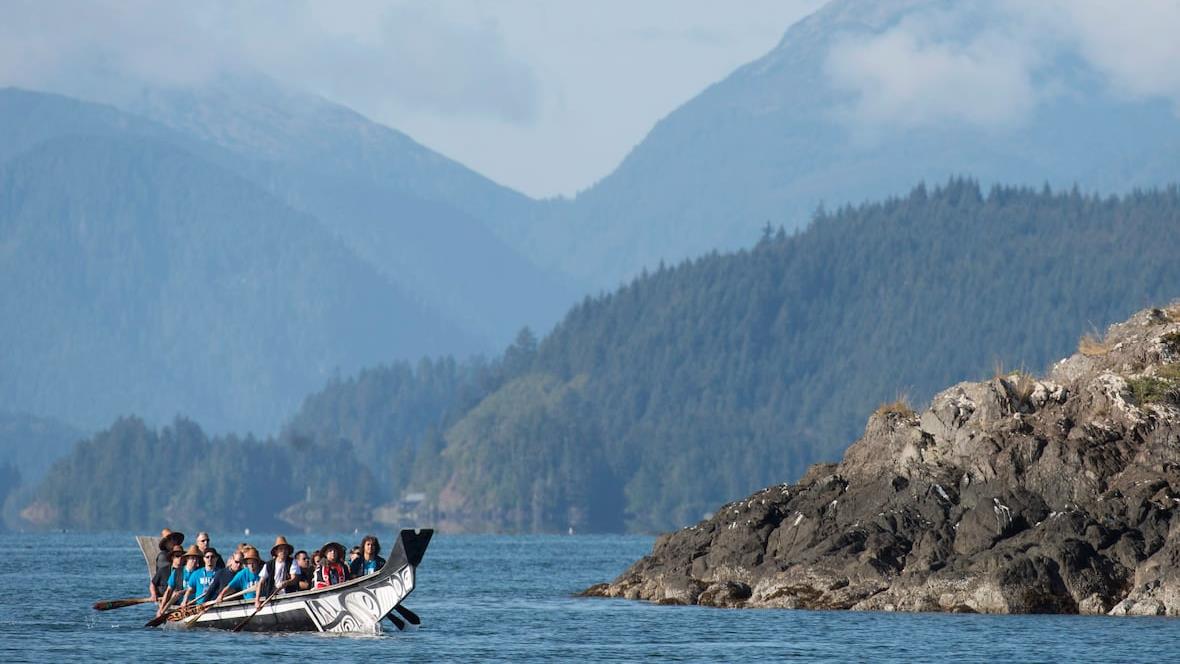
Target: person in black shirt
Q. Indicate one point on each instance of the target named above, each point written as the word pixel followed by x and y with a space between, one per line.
pixel 305 573
pixel 370 559
pixel 168 539
pixel 203 543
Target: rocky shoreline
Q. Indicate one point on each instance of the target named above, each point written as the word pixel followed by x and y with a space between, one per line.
pixel 1014 495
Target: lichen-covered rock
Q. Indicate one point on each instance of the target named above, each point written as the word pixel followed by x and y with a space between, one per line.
pixel 1013 495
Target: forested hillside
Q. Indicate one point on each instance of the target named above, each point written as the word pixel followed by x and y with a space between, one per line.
pixel 133 476
pixel 700 382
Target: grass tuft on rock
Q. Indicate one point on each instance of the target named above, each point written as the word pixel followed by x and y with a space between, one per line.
pixel 898 408
pixel 1151 389
pixel 1092 346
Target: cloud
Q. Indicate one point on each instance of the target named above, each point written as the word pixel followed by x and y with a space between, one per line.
pixel 935 67
pixel 991 64
pixel 1133 45
pixel 417 57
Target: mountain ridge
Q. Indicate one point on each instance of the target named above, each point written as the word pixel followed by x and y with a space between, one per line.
pixel 776 139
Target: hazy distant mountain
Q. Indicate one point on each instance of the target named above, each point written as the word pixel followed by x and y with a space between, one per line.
pixel 141 278
pixel 33 443
pixel 421 219
pixel 791 131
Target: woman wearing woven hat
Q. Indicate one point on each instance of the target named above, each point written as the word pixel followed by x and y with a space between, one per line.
pixel 247 578
pixel 168 539
pixel 370 559
pixel 332 569
pixel 276 570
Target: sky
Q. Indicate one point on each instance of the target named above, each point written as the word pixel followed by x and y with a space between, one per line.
pixel 546 97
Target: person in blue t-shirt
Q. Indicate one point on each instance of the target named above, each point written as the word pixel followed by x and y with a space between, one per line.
pixel 169 579
pixel 200 581
pixel 192 563
pixel 247 578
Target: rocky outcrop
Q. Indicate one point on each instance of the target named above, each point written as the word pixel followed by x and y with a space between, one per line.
pixel 1014 495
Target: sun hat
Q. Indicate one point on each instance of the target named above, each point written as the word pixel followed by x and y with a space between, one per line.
pixel 341 553
pixel 281 542
pixel 169 537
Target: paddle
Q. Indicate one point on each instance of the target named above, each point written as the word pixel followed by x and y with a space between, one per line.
pixel 409 615
pixel 278 587
pixel 107 605
pixel 397 622
pixel 207 605
pixel 165 612
pixel 168 613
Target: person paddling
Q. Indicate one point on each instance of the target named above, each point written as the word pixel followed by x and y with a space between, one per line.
pixel 370 559
pixel 247 577
pixel 332 569
pixel 200 581
pixel 225 575
pixel 192 563
pixel 276 571
pixel 167 583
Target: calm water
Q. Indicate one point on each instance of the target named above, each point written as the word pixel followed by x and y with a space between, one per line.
pixel 509 598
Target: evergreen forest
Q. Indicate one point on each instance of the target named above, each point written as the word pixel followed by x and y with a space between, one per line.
pixel 693 384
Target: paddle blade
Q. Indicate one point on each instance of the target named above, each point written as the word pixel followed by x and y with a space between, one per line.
pixel 107 605
pixel 397 622
pixel 409 615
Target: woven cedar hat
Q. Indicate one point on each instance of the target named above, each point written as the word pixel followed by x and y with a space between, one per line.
pixel 250 553
pixel 281 542
pixel 169 537
pixel 341 553
pixel 194 551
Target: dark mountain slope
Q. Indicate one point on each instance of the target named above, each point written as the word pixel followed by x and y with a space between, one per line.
pixel 140 278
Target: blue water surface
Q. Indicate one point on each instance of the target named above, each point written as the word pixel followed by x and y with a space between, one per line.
pixel 511 598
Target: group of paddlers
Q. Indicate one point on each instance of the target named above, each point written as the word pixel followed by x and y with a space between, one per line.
pixel 199 574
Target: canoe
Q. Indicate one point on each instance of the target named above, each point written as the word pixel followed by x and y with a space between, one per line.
pixel 356 606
